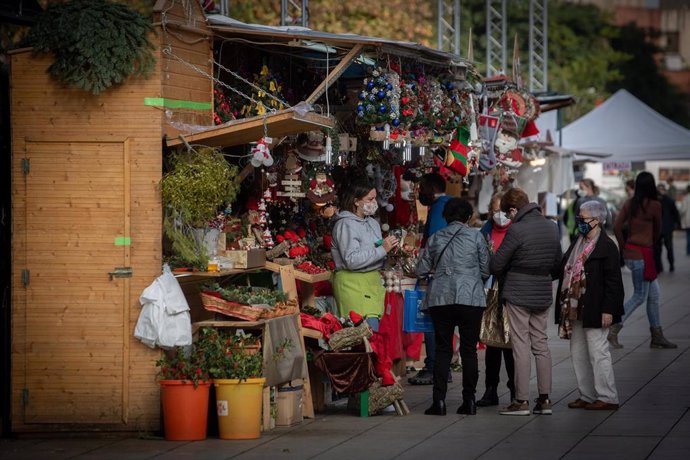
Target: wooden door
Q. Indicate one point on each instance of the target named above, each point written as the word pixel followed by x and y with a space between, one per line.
pixel 77 221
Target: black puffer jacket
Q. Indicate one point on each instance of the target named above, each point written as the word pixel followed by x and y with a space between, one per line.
pixel 529 259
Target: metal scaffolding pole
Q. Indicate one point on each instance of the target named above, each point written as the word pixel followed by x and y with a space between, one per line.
pixel 448 26
pixel 538 45
pixel 496 31
pixel 294 13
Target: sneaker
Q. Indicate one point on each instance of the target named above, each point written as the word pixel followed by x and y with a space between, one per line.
pixel 423 377
pixel 542 407
pixel 516 408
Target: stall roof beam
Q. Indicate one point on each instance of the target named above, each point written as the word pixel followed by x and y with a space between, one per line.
pixel 337 72
pixel 244 131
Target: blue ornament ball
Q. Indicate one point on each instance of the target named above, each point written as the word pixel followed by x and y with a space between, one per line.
pixel 360 107
pixel 449 86
pixel 381 94
pixel 383 108
pixel 396 122
pixel 389 86
pixel 370 85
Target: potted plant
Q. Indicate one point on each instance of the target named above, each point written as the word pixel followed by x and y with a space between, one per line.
pixel 199 186
pixel 237 373
pixel 185 384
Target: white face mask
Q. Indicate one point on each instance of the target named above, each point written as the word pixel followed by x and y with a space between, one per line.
pixel 501 219
pixel 370 208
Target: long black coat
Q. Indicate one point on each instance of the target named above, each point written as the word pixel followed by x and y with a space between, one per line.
pixel 604 293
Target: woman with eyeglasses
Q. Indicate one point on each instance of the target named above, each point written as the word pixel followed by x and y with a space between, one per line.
pixel 590 301
pixel 642 214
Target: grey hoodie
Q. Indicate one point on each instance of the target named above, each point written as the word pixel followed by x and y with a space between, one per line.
pixel 357 243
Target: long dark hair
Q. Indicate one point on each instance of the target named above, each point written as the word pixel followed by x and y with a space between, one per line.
pixel 352 190
pixel 645 189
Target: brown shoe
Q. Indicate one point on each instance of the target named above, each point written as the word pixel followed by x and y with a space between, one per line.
pixel 601 405
pixel 577 404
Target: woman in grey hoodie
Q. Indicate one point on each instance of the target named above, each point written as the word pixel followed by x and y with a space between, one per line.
pixel 359 252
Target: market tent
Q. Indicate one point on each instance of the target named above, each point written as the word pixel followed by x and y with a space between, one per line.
pixel 625 129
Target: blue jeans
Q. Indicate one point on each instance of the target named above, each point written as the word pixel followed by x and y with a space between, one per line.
pixel 645 291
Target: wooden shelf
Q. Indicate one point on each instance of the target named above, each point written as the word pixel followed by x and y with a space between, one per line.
pixel 299 275
pixel 193 277
pixel 244 131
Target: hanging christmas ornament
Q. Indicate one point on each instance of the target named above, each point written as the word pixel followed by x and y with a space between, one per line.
pixel 261 155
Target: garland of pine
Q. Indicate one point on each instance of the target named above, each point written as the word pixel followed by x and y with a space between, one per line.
pixel 96 43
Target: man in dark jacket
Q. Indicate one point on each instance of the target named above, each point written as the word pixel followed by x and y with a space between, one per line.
pixel 670 220
pixel 528 259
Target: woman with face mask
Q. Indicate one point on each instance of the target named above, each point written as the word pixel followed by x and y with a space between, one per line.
pixel 359 251
pixel 494 229
pixel 590 301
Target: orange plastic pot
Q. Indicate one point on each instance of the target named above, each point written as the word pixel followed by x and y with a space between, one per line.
pixel 185 409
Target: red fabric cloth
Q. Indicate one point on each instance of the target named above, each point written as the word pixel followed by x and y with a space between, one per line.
pixel 387 343
pixel 401 215
pixel 327 324
pixel 648 257
pixel 321 289
pixel 412 344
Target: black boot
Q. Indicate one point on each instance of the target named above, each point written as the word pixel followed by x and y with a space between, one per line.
pixel 490 397
pixel 437 408
pixel 469 407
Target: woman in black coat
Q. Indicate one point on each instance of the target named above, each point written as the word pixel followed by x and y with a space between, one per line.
pixel 590 300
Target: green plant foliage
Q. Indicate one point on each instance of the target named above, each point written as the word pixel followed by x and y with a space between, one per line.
pixel 248 295
pixel 227 357
pixel 198 185
pixel 96 43
pixel 188 251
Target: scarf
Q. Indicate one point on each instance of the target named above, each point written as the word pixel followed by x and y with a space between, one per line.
pixel 497 235
pixel 574 285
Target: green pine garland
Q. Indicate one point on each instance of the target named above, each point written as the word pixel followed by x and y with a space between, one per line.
pixel 96 43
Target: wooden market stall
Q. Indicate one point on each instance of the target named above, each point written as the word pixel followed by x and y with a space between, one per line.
pixel 87 229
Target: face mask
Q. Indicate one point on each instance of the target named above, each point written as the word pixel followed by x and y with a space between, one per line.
pixel 370 208
pixel 501 219
pixel 583 227
pixel 580 193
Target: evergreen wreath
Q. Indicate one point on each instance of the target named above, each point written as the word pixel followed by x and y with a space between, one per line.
pixel 96 43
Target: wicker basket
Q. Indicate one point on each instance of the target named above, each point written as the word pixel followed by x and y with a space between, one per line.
pixel 237 310
pixel 349 336
pixel 289 307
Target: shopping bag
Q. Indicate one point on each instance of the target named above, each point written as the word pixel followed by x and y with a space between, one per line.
pixel 414 318
pixel 494 331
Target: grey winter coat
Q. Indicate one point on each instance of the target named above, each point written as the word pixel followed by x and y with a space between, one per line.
pixel 460 273
pixel 529 259
pixel 357 243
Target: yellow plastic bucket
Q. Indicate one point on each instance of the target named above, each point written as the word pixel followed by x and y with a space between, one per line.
pixel 238 404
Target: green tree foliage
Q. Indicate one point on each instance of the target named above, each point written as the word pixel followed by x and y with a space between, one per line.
pixel 641 76
pixel 96 43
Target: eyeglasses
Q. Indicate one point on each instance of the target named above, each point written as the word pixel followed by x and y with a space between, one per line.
pixel 584 219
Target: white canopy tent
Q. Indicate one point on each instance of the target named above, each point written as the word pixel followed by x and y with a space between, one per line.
pixel 625 129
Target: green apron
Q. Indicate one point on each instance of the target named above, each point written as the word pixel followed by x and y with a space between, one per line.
pixel 362 293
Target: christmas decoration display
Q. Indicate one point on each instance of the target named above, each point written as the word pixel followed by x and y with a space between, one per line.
pixel 379 100
pixel 264 221
pixel 222 108
pixel 261 155
pixel 96 43
pixel 269 97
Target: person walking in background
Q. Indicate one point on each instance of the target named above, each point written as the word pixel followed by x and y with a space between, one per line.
pixel 642 213
pixel 587 191
pixel 672 191
pixel 528 260
pixel 432 188
pixel 670 220
pixel 629 188
pixel 458 259
pixel 494 230
pixel 590 300
pixel 685 218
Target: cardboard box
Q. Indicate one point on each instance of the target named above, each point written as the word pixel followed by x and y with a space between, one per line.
pixel 247 258
pixel 289 405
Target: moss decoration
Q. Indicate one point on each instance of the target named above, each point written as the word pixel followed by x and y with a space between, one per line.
pixel 96 43
pixel 198 185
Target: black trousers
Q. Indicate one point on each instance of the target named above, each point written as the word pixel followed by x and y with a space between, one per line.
pixel 666 240
pixel 492 359
pixel 468 320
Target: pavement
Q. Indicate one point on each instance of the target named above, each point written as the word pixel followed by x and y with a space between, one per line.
pixel 653 421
